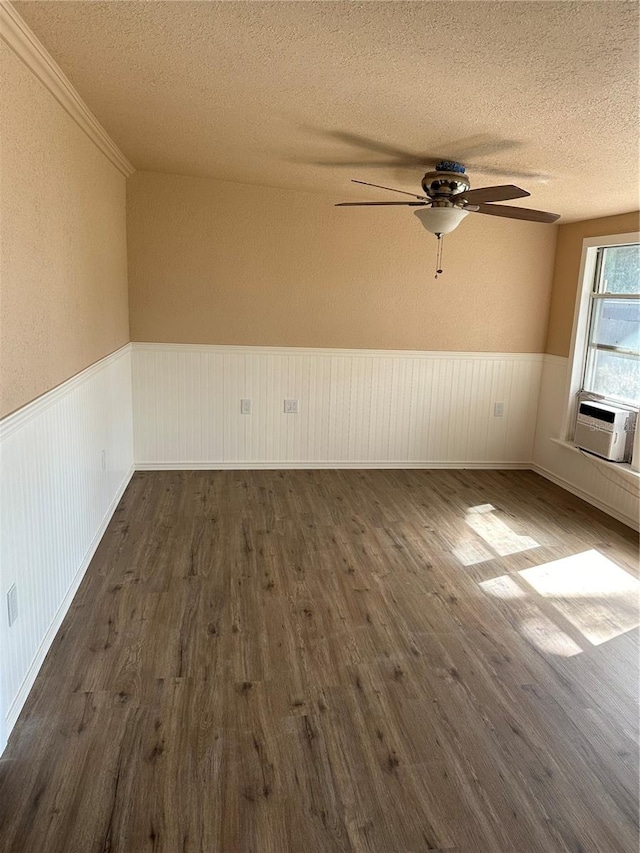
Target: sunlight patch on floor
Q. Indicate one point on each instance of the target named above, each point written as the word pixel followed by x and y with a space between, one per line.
pixel 470 552
pixel 495 532
pixel 503 587
pixel 546 636
pixel 592 592
pixel 534 625
pixel 589 591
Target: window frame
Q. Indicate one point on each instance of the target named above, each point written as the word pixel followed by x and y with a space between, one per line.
pixel 579 350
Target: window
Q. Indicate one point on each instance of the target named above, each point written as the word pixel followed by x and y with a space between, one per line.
pixel 612 363
pixel 605 348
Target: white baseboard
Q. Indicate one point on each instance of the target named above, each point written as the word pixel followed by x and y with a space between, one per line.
pixel 312 466
pixel 585 496
pixel 29 679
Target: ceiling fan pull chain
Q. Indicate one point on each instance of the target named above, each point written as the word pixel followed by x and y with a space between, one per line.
pixel 439 255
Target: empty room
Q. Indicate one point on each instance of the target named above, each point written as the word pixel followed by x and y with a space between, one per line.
pixel 319 522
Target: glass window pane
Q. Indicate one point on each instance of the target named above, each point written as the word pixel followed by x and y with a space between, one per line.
pixel 616 322
pixel 621 269
pixel 613 375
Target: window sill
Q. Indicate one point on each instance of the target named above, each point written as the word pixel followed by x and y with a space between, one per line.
pixel 623 468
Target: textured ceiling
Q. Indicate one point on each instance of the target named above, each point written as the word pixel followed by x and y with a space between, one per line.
pixel 264 93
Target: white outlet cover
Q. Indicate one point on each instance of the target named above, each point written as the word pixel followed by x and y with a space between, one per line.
pixel 291 407
pixel 498 410
pixel 245 406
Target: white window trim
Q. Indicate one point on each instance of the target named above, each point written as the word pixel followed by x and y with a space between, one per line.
pixel 579 342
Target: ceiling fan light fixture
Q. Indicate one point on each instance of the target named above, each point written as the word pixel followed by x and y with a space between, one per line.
pixel 441 220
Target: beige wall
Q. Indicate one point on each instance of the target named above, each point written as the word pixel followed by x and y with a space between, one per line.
pixel 63 262
pixel 225 263
pixel 567 270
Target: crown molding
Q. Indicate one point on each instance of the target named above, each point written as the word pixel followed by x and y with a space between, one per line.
pixel 20 38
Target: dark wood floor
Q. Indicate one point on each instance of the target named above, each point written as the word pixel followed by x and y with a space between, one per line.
pixel 263 662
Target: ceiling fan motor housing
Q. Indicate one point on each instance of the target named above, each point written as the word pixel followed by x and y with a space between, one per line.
pixel 443 185
pixel 450 166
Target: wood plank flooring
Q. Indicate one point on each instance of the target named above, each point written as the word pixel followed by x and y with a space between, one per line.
pixel 318 661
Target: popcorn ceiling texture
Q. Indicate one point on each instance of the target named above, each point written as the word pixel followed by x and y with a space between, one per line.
pixel 63 293
pixel 252 92
pixel 216 262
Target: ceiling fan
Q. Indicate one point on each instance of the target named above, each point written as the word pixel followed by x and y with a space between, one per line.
pixel 449 199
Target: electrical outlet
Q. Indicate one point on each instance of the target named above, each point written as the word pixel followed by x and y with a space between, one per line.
pixel 498 410
pixel 104 460
pixel 291 407
pixel 12 604
pixel 245 407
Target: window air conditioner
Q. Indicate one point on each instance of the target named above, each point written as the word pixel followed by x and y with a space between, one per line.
pixel 604 430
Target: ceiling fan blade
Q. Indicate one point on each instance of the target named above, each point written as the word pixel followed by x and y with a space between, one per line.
pixel 504 193
pixel 517 212
pixel 505 172
pixel 417 163
pixel 392 189
pixel 428 164
pixel 479 146
pixel 379 203
pixel 461 150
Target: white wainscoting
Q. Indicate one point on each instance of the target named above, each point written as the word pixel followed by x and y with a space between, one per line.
pixel 606 486
pixel 358 408
pixel 56 498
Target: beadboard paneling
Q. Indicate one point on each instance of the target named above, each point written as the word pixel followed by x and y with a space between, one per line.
pixel 55 502
pixel 605 486
pixel 357 407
